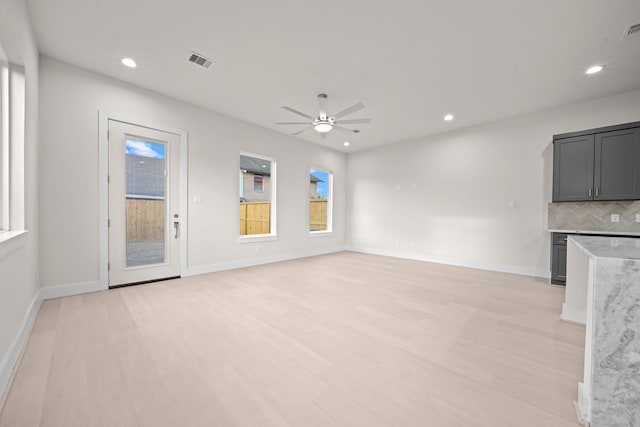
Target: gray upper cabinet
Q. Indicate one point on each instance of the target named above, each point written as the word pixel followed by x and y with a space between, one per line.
pixel 573 169
pixel 599 164
pixel 617 166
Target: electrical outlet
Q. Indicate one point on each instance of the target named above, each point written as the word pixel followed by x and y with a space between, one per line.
pixel 615 218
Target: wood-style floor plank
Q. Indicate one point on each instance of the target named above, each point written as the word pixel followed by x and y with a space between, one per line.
pixel 344 339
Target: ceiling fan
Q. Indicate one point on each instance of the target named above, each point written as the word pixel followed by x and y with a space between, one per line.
pixel 325 123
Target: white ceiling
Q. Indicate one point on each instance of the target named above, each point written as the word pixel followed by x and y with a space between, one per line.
pixel 409 62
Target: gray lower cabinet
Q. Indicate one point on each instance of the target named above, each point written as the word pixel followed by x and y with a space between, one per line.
pixel 599 164
pixel 559 258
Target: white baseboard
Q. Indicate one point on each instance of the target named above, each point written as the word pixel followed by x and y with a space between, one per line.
pixel 68 290
pixel 573 315
pixel 502 268
pixel 583 402
pixel 15 349
pixel 231 265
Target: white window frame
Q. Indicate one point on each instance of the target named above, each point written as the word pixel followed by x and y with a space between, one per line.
pixel 4 147
pixel 250 238
pixel 12 132
pixel 261 179
pixel 329 229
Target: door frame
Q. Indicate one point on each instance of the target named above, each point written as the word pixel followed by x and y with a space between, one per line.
pixel 103 189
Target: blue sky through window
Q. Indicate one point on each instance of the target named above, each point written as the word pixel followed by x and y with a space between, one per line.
pixel 324 185
pixel 145 148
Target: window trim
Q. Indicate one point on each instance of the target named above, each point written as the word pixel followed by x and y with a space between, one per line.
pixel 4 147
pixel 329 229
pixel 272 235
pixel 12 145
pixel 259 178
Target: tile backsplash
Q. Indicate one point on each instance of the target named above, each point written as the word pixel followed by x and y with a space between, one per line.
pixel 594 216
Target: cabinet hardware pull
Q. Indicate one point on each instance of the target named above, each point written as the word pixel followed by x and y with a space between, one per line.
pixel 597 191
pixel 589 192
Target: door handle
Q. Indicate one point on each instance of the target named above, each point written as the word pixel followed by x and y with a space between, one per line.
pixel 176 225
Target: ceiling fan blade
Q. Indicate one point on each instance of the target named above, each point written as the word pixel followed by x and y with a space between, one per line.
pixel 300 131
pixel 354 122
pixel 356 107
pixel 292 123
pixel 322 101
pixel 345 130
pixel 298 113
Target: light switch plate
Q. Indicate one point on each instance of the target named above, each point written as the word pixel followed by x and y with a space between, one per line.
pixel 615 218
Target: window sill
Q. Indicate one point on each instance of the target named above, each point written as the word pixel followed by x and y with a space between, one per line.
pixel 257 238
pixel 321 233
pixel 10 241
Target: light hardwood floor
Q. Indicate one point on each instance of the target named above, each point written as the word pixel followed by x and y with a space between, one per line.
pixel 344 339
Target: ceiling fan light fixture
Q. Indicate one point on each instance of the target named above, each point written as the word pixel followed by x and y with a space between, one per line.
pixel 322 126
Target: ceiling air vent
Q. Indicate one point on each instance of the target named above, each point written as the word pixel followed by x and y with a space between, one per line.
pixel 632 31
pixel 200 60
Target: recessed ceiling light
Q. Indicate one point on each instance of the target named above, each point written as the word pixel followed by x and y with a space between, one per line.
pixel 448 117
pixel 594 69
pixel 346 144
pixel 129 62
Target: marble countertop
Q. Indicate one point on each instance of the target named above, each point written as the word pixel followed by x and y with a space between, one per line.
pixel 609 247
pixel 613 233
pixel 612 345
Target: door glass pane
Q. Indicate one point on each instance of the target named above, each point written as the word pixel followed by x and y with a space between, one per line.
pixel 145 202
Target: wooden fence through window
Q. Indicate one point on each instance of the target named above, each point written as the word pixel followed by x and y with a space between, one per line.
pixel 317 215
pixel 255 217
pixel 145 219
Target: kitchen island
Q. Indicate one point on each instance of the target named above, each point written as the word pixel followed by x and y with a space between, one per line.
pixel 610 392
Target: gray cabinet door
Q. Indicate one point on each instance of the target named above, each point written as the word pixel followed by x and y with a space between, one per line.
pixel 617 165
pixel 558 264
pixel 573 169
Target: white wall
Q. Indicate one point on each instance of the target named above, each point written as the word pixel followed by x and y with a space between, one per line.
pixel 70 100
pixel 19 256
pixel 445 197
